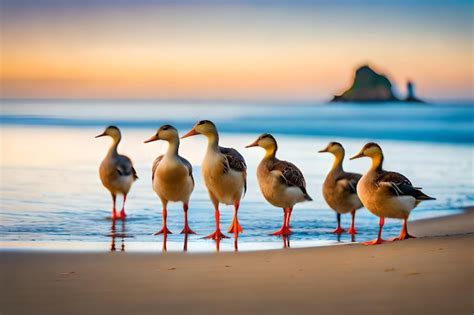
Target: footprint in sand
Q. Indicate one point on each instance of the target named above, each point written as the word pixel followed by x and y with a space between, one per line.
pixel 63 275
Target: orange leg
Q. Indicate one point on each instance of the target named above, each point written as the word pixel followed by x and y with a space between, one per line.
pixel 285 230
pixel 164 229
pixel 122 214
pixel 338 230
pixel 288 217
pixel 379 239
pixel 217 235
pixel 186 229
pixel 404 232
pixel 235 225
pixel 352 229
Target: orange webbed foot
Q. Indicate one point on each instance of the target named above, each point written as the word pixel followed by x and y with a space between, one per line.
pixel 163 230
pixel 283 231
pixel 217 235
pixel 120 216
pixel 235 227
pixel 402 237
pixel 338 230
pixel 373 242
pixel 351 231
pixel 187 230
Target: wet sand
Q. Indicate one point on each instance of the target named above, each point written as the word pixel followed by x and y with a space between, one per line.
pixel 433 274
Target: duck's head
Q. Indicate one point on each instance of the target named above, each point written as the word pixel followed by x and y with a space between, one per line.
pixel 266 141
pixel 202 127
pixel 333 147
pixel 111 131
pixel 166 132
pixel 371 149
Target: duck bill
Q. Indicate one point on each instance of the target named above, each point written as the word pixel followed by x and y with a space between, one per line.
pixel 323 151
pixel 357 156
pixel 153 138
pixel 101 135
pixel 190 133
pixel 253 144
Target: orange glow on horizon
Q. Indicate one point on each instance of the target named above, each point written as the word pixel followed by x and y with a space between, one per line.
pixel 164 55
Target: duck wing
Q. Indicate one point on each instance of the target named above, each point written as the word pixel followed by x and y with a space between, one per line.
pixel 348 182
pixel 188 166
pixel 235 161
pixel 125 167
pixel 290 175
pixel 400 185
pixel 155 165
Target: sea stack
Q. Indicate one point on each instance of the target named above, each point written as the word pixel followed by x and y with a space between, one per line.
pixel 411 93
pixel 368 86
pixel 371 87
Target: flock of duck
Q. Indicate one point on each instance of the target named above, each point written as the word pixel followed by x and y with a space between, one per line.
pixel 385 194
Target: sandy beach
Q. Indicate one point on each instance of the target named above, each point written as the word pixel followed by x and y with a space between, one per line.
pixel 433 274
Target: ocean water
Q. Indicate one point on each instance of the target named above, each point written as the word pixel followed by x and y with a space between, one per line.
pixel 51 196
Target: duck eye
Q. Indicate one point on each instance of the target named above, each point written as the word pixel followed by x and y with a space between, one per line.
pixel 165 128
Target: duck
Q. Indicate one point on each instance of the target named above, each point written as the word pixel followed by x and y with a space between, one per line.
pixel 116 171
pixel 282 183
pixel 172 176
pixel 225 175
pixel 387 194
pixel 340 188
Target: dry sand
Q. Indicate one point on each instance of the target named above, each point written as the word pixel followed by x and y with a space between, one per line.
pixel 428 275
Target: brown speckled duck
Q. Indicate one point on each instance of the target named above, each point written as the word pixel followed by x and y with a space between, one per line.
pixel 387 194
pixel 116 171
pixel 339 188
pixel 281 182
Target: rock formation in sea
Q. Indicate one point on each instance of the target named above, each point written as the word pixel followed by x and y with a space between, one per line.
pixel 411 94
pixel 370 86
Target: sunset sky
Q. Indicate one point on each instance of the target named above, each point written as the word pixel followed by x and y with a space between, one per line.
pixel 237 50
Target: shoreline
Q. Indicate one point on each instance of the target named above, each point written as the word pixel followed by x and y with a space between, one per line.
pixel 433 274
pixel 450 225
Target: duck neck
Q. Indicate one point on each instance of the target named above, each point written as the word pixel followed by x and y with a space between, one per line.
pixel 270 152
pixel 173 146
pixel 337 164
pixel 212 142
pixel 377 161
pixel 113 147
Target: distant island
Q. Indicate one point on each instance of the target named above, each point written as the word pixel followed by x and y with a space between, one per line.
pixel 370 86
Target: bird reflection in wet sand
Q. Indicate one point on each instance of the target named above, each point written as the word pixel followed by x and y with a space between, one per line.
pixel 218 244
pixel 236 241
pixel 236 244
pixel 353 237
pixel 113 234
pixel 185 243
pixel 165 239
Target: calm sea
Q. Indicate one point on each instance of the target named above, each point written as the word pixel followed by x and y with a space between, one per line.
pixel 51 196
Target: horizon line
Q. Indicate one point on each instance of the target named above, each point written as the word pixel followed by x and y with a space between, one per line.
pixel 213 100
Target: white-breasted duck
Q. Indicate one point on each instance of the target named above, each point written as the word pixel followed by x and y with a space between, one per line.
pixel 225 175
pixel 172 176
pixel 387 194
